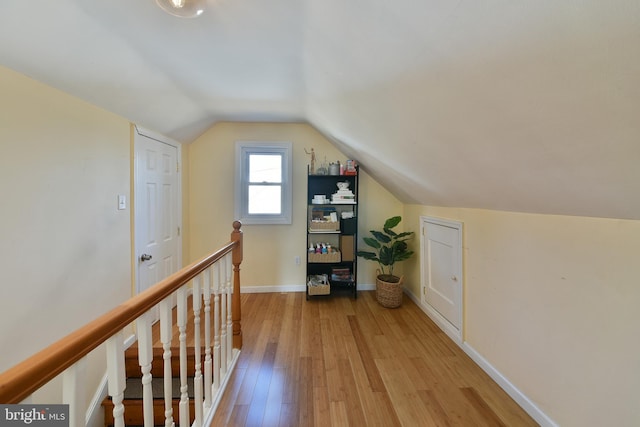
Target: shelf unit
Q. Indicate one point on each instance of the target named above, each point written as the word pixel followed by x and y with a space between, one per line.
pixel 332 224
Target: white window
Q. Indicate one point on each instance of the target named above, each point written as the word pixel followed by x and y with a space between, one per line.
pixel 263 182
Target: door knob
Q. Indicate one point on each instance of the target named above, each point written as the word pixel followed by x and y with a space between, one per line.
pixel 454 278
pixel 145 257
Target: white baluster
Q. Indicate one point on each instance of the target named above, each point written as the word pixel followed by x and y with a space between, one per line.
pixel 207 337
pixel 197 377
pixel 165 338
pixel 182 328
pixel 145 357
pixel 116 378
pixel 73 392
pixel 229 308
pixel 223 316
pixel 216 327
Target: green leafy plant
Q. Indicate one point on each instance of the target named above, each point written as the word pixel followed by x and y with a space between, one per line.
pixel 389 247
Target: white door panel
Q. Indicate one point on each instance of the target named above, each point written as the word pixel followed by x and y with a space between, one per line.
pixel 442 267
pixel 157 209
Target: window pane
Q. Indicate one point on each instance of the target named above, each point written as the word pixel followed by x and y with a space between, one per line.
pixel 265 168
pixel 264 199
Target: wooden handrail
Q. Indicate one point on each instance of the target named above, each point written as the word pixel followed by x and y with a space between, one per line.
pixel 20 381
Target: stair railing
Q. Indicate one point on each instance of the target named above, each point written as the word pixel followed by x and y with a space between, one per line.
pixel 209 277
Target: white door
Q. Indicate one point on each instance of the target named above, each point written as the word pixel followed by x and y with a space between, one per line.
pixel 442 273
pixel 157 208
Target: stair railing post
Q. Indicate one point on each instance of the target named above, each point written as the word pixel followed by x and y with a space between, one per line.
pixel 181 320
pixel 116 377
pixel 216 323
pixel 229 320
pixel 236 236
pixel 208 369
pixel 165 337
pixel 224 268
pixel 145 359
pixel 197 378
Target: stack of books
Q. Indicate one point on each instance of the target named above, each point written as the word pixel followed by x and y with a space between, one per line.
pixel 343 196
pixel 340 274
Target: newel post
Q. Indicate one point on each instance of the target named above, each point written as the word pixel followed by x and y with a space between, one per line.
pixel 236 236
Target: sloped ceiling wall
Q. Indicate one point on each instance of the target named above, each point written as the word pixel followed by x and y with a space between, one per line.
pixel 521 106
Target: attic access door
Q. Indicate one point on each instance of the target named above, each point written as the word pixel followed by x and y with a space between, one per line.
pixel 158 245
pixel 442 273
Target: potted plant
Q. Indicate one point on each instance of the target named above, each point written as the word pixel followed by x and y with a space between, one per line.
pixel 389 248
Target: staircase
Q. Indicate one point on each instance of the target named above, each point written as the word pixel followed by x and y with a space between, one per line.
pixel 133 414
pixel 205 297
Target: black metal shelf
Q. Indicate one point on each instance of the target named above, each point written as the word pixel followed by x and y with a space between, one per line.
pixel 346 235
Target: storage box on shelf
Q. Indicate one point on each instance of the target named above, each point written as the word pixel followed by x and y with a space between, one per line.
pixel 332 257
pixel 318 285
pixel 323 226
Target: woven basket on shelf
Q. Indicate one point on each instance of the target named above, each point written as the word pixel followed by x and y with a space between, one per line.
pixel 389 294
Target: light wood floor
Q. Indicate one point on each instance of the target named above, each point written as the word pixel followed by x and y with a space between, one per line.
pixel 343 362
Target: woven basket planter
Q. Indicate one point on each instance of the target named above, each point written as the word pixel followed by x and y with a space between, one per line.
pixel 389 294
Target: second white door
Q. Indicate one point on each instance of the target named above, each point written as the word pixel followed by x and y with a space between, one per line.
pixel 442 272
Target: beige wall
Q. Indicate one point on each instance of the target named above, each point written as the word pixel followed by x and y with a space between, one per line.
pixel 269 250
pixel 552 303
pixel 65 248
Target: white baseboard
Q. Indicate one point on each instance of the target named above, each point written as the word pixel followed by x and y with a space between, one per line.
pixel 451 331
pixel 274 289
pixel 208 419
pixel 520 398
pixel 289 288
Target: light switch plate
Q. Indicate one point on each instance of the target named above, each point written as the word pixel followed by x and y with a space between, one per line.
pixel 122 202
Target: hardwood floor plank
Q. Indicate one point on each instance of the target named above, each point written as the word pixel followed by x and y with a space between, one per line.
pixel 365 355
pixel 330 351
pixel 384 413
pixel 226 405
pixel 289 338
pixel 288 415
pixel 343 362
pixel 438 414
pixel 376 406
pixel 238 416
pixel 321 407
pixel 339 414
pixel 262 386
pixel 254 356
pixel 305 398
pixel 481 406
pixel 403 395
pixel 273 407
pixel 352 403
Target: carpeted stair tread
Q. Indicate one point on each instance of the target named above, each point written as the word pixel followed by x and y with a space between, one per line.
pixel 134 388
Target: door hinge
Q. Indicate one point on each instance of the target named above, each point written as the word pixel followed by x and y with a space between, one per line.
pixel 178 231
pixel 177 167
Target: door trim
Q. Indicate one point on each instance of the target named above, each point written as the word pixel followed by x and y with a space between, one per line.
pixel 454 333
pixel 141 131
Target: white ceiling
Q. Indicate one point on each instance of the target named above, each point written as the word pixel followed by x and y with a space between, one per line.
pixel 529 106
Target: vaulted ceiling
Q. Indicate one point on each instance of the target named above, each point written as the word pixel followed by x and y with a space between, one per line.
pixel 530 106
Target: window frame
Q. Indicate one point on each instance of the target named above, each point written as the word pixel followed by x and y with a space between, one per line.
pixel 244 149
